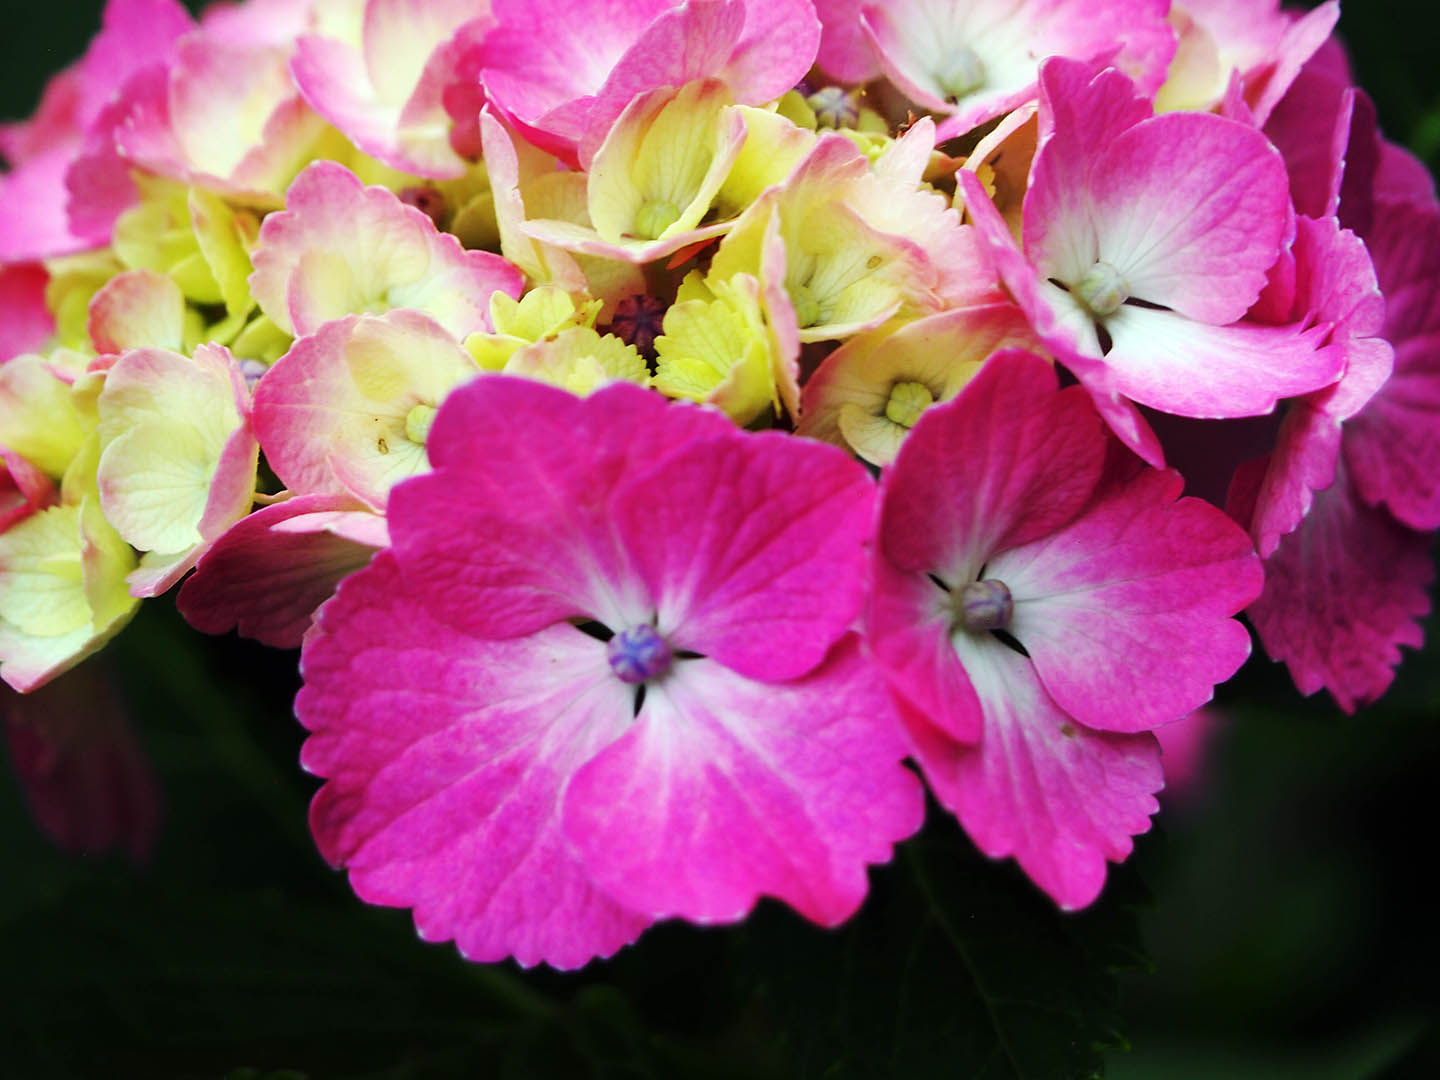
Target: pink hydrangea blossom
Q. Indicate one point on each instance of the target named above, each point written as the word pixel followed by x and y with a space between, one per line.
pixel 532 791
pixel 1146 240
pixel 565 69
pixel 266 575
pixel 1008 511
pixel 346 411
pixel 1252 48
pixel 384 83
pixel 224 114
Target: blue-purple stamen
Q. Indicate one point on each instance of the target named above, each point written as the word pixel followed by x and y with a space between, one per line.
pixel 639 654
pixel 984 605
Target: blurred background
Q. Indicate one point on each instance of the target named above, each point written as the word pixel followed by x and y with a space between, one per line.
pixel 1276 923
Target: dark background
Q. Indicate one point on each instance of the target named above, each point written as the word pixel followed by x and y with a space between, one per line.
pixel 1278 923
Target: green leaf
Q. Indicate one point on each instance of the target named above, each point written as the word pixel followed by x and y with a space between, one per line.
pixel 955 967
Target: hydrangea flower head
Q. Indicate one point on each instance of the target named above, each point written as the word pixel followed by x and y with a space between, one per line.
pixel 532 790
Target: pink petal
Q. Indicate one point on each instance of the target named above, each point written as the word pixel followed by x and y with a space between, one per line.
pixel 23 489
pixel 1005 462
pixel 331 413
pixel 545 62
pixel 532 469
pixel 266 576
pixel 1336 285
pixel 340 248
pixel 25 321
pixel 908 624
pixel 1297 44
pixel 447 757
pixel 83 774
pixel 1402 177
pixel 1164 360
pixel 1059 798
pixel 1081 112
pixel 1311 128
pixel 916 41
pixel 1343 593
pixel 1126 610
pixel 386 95
pixel 1393 446
pixel 755 554
pixel 33 221
pixel 1189 208
pixel 136 310
pixel 845 53
pixel 725 790
pixel 227 118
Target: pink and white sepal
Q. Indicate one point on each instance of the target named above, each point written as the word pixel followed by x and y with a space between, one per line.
pixel 1146 240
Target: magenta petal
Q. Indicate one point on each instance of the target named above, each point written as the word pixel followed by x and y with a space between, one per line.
pixel 25 321
pixel 1008 460
pixel 511 532
pixel 1311 129
pixel 1191 210
pixel 266 576
pixel 1343 593
pixel 1058 797
pixel 753 549
pixel 908 624
pixel 446 758
pixel 1189 368
pixel 1081 112
pixel 844 52
pixel 1126 611
pixel 1336 284
pixel 727 789
pixel 1393 446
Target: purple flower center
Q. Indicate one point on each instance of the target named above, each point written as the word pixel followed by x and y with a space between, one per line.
pixel 984 605
pixel 638 321
pixel 639 654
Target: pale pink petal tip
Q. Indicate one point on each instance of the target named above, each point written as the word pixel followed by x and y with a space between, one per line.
pixel 341 248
